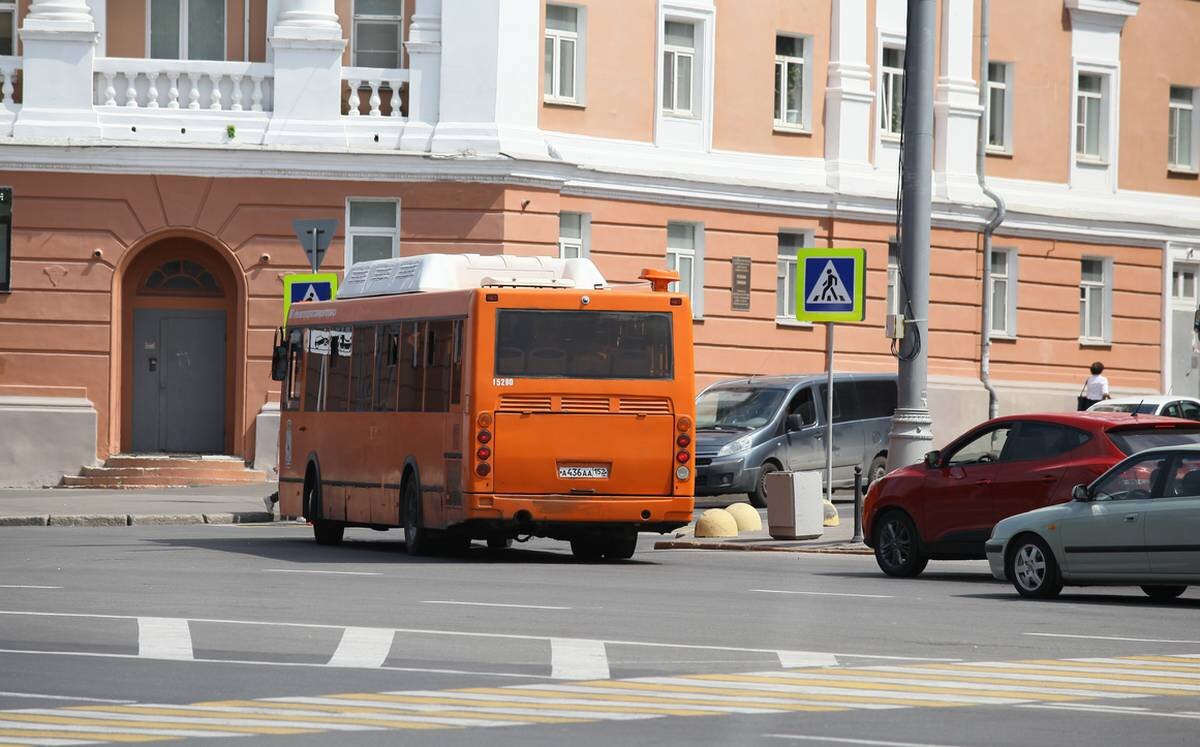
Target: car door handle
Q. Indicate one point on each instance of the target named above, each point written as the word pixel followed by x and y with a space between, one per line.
pixel 1048 478
pixel 1131 517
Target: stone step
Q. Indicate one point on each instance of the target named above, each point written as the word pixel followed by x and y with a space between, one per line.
pixel 159 481
pixel 172 472
pixel 176 461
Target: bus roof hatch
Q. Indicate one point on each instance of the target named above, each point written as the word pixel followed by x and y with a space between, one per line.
pixel 444 272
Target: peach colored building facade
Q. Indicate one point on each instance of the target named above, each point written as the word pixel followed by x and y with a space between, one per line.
pixel 160 189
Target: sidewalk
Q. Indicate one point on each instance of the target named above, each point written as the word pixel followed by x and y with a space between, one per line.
pixel 833 540
pixel 235 504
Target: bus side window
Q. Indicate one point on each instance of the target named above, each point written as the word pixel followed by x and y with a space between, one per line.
pixel 337 377
pixel 456 364
pixel 437 372
pixel 411 367
pixel 362 370
pixel 387 366
pixel 290 400
pixel 317 348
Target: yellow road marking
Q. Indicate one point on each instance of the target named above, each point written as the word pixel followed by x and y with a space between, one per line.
pixel 153 711
pixel 1084 676
pixel 850 684
pixel 847 699
pixel 658 698
pixel 1041 684
pixel 1184 670
pixel 1179 659
pixel 449 699
pixel 383 710
pixel 37 718
pixel 100 736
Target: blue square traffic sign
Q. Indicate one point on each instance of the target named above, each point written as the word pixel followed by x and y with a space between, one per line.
pixel 830 285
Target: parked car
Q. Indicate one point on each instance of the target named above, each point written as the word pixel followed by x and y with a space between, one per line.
pixel 945 507
pixel 1137 524
pixel 749 428
pixel 1172 406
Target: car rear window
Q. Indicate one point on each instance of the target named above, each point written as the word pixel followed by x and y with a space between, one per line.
pixel 1133 440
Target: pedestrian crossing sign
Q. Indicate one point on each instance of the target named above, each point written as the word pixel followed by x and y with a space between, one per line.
pixel 830 285
pixel 321 286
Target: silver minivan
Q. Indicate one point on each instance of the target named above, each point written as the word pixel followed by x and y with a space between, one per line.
pixel 749 428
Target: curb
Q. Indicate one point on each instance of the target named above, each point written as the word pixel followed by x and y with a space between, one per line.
pixel 844 548
pixel 123 520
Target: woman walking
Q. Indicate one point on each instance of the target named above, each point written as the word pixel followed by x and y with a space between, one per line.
pixel 1095 389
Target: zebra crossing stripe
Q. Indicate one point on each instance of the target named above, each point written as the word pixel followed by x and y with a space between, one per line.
pixel 1055 674
pixel 841 698
pixel 969 681
pixel 748 704
pixel 120 720
pixel 862 680
pixel 282 709
pixel 184 714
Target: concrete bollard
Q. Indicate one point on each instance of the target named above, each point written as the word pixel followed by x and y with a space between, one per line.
pixel 716 522
pixel 746 516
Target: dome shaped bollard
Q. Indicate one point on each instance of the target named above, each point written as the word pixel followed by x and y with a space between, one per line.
pixel 716 522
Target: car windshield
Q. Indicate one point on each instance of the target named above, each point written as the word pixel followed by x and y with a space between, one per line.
pixel 1141 408
pixel 739 409
pixel 1133 440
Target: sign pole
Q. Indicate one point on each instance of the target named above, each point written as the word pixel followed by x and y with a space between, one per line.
pixel 829 411
pixel 313 256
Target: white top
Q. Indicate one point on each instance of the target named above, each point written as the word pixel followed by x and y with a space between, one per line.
pixel 441 272
pixel 1096 387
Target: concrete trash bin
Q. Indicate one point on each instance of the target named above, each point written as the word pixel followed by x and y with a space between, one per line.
pixel 794 508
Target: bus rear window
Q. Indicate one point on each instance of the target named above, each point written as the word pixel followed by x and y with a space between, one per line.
pixel 583 344
pixel 1133 440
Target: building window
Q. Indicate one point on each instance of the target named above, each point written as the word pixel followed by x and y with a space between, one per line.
pixel 1089 117
pixel 187 29
pixel 1094 312
pixel 891 92
pixel 785 275
pixel 789 83
pixel 893 278
pixel 679 57
pixel 1183 286
pixel 1180 151
pixel 561 53
pixel 372 230
pixel 8 27
pixel 572 235
pixel 685 255
pixel 378 33
pixel 999 107
pixel 1004 292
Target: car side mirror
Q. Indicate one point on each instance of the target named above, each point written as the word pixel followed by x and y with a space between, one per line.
pixel 279 363
pixel 795 422
pixel 933 459
pixel 1081 494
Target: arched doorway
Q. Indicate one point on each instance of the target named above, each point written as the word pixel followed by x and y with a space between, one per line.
pixel 179 301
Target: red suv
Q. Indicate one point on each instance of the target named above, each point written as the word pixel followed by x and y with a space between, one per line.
pixel 945 507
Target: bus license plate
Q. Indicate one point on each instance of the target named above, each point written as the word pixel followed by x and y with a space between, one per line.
pixel 583 473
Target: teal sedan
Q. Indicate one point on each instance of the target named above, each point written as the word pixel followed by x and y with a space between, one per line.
pixel 1138 524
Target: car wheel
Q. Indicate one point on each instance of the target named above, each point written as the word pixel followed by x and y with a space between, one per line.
pixel 758 498
pixel 897 550
pixel 877 469
pixel 1163 593
pixel 1033 569
pixel 417 539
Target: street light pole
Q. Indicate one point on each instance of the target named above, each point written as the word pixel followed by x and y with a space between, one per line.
pixel 911 433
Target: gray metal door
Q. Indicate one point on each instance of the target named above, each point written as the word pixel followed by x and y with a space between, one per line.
pixel 179 381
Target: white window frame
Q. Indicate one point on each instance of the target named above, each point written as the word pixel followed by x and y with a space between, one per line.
pixel 1103 100
pixel 371 18
pixel 352 231
pixel 1191 164
pixel 804 61
pixel 696 252
pixel 1010 279
pixel 786 266
pixel 888 76
pixel 1178 295
pixel 10 7
pixel 1089 292
pixel 1005 90
pixel 676 52
pixel 183 31
pixel 579 38
pixel 582 245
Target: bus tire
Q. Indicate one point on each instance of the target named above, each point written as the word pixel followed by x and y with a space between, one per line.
pixel 417 539
pixel 587 549
pixel 325 532
pixel 499 542
pixel 622 545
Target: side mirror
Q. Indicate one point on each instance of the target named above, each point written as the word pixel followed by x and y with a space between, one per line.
pixel 279 363
pixel 795 422
pixel 933 459
pixel 1081 494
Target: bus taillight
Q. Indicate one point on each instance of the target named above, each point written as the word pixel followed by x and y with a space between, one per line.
pixel 484 437
pixel 683 441
pixel 683 457
pixel 483 453
pixel 484 420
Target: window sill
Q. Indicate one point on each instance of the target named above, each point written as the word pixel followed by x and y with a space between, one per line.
pixel 1002 337
pixel 889 138
pixel 682 116
pixel 999 152
pixel 1091 161
pixel 1089 342
pixel 1183 171
pixel 785 322
pixel 783 129
pixel 567 103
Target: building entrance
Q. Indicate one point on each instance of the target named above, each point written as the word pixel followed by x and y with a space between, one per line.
pixel 1185 362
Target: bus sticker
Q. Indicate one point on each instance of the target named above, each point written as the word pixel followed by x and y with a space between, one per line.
pixel 502 382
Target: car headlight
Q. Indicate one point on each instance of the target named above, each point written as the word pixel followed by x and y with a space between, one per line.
pixel 736 446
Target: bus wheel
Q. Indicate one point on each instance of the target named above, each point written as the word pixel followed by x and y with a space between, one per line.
pixel 325 532
pixel 499 543
pixel 417 539
pixel 621 545
pixel 587 549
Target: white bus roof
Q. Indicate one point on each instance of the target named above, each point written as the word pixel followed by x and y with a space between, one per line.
pixel 444 272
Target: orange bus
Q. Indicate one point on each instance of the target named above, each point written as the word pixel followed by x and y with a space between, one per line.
pixel 467 397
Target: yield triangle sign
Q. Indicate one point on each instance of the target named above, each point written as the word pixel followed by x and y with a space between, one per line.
pixel 829 288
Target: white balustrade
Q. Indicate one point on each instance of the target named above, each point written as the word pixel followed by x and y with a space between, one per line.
pixel 376 83
pixel 186 84
pixel 10 71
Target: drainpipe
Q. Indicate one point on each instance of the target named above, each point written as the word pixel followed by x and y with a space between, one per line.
pixel 997 217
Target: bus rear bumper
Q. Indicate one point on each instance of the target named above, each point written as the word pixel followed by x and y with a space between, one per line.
pixel 647 513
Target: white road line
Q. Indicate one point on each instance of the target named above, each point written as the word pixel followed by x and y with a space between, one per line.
pixel 798 659
pixel 164 638
pixel 846 740
pixel 401 715
pixel 47 742
pixel 324 573
pixel 184 721
pixel 1109 638
pixel 1047 674
pixel 578 659
pixel 262 663
pixel 1117 711
pixel 98 729
pixel 824 594
pixel 43 696
pixel 19 586
pixel 483 707
pixel 915 678
pixel 365 648
pixel 493 604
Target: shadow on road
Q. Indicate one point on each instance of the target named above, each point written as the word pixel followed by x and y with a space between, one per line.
pixel 1137 599
pixel 982 577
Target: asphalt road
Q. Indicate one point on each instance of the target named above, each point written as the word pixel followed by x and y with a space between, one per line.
pixel 203 632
